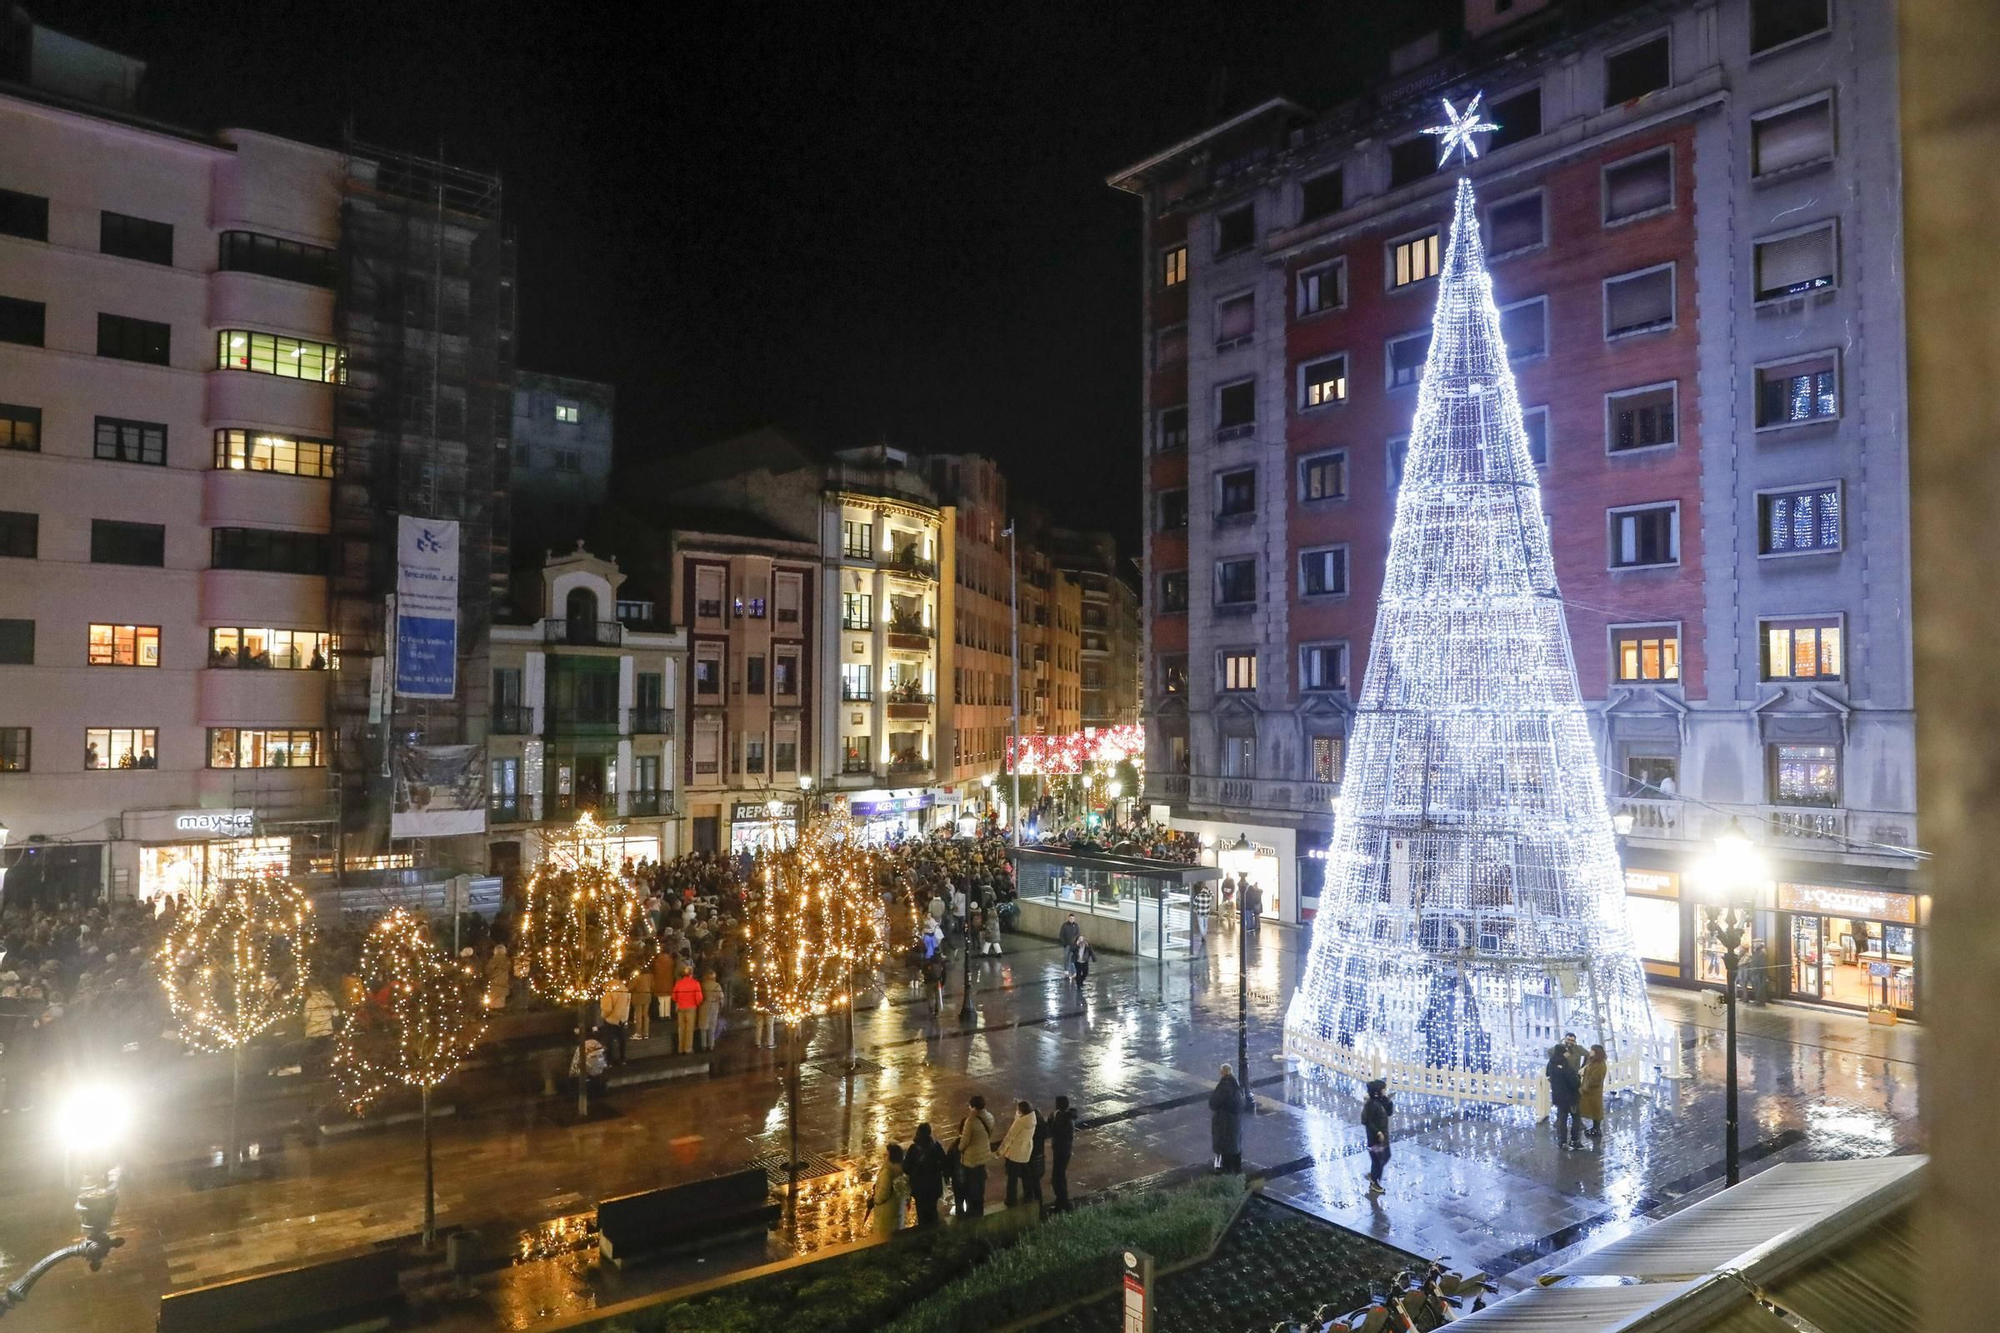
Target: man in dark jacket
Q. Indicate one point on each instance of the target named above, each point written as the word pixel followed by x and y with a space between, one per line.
pixel 1225 1122
pixel 1565 1088
pixel 1059 1130
pixel 924 1165
pixel 1375 1113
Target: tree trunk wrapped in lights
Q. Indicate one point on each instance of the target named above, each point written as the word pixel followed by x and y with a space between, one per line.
pixel 234 965
pixel 429 1017
pixel 580 930
pixel 1474 906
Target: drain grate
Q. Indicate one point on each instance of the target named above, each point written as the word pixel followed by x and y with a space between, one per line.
pixel 811 1164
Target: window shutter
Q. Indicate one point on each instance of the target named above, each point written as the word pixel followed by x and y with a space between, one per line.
pixel 1237 317
pixel 1637 303
pixel 1795 261
pixel 1793 138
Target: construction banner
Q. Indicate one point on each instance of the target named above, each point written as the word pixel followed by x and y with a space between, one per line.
pixel 440 791
pixel 426 608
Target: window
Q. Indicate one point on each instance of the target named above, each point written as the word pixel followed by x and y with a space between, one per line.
pixel 130 339
pixel 1236 229
pixel 785 675
pixel 1323 572
pixel 1173 592
pixel 1323 667
pixel 1239 756
pixel 1789 265
pixel 1323 477
pixel 857 539
pixel 1406 358
pixel 1519 117
pixel 1647 655
pixel 707 747
pixel 120 441
pixel 1524 327
pixel 1797 391
pixel 17 643
pixel 1235 320
pixel 1236 409
pixel 708 593
pixel 294 650
pixel 1173 265
pixel 1413 260
pixel 708 669
pixel 1173 673
pixel 294 261
pixel 263 747
pixel 1239 671
pixel 1236 493
pixel 1514 224
pixel 1322 287
pixel 1805 774
pixel 257 451
pixel 1535 420
pixel 566 460
pixel 857 610
pixel 1170 345
pixel 1639 302
pixel 121 747
pixel 1395 453
pixel 1173 510
pixel 1327 757
pixel 1650 535
pixel 857 754
pixel 753 753
pixel 1637 70
pixel 135 238
pixel 1322 383
pixel 787 592
pixel 267 550
pixel 124 645
pixel 1412 160
pixel 1170 430
pixel 1235 582
pixel 568 414
pixel 1792 522
pixel 271 354
pixel 1639 418
pixel 16 749
pixel 785 753
pixel 1638 186
pixel 1322 194
pixel 22 321
pixel 503 787
pixel 20 427
pixel 1791 137
pixel 24 215
pixel 1776 22
pixel 20 534
pixel 1801 649
pixel 127 543
pixel 753 674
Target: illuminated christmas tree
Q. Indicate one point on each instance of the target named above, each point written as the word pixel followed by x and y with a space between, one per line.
pixel 1474 907
pixel 424 1016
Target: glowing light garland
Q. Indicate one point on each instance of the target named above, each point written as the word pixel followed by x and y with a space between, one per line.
pixel 816 921
pixel 1474 909
pixel 579 929
pixel 431 1019
pixel 1079 751
pixel 234 962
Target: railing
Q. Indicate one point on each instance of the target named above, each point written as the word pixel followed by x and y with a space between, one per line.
pixel 563 718
pixel 651 721
pixel 649 803
pixel 907 561
pixel 855 694
pixel 1650 818
pixel 506 812
pixel 1243 793
pixel 900 694
pixel 583 633
pixel 511 720
pixel 857 622
pixel 918 634
pixel 909 764
pixel 856 766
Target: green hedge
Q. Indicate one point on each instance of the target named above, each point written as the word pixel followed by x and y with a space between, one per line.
pixel 1076 1255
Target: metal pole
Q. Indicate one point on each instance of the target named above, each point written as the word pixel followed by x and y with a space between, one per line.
pixel 582 1064
pixel 430 1179
pixel 235 1109
pixel 1732 938
pixel 1242 1000
pixel 1014 607
pixel 965 928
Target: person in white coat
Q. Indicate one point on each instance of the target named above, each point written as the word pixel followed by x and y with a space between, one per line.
pixel 1021 1149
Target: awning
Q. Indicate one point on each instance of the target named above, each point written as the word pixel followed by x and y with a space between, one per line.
pixel 1573 1309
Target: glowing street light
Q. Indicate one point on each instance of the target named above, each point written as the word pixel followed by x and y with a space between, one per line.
pixel 1728 879
pixel 92 1121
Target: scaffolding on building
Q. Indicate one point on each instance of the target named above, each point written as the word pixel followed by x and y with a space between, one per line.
pixel 425 314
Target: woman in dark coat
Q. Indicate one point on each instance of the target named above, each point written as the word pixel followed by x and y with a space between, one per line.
pixel 1225 1122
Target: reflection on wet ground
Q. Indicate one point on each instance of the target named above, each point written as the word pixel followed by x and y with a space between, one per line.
pixel 1135 1050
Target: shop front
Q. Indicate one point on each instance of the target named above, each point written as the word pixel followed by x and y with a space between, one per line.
pixel 185 853
pixel 1259 854
pixel 1852 947
pixel 1653 910
pixel 1313 851
pixel 890 815
pixel 762 826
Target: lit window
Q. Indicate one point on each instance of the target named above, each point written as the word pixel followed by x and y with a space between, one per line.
pixel 1798 391
pixel 1239 671
pixel 1413 260
pixel 1790 522
pixel 16 749
pixel 260 451
pixel 567 413
pixel 1649 655
pixel 20 427
pixel 1173 673
pixel 1328 753
pixel 1174 265
pixel 121 747
pixel 1805 774
pixel 271 354
pixel 272 649
pixel 264 747
pixel 857 610
pixel 1323 383
pixel 1645 536
pixel 124 645
pixel 1802 649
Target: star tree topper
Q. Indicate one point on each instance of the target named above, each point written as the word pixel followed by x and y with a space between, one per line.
pixel 1456 134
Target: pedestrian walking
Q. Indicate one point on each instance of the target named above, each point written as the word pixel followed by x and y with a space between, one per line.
pixel 975 1152
pixel 641 986
pixel 1375 1113
pixel 687 1010
pixel 1225 1122
pixel 1017 1150
pixel 1081 957
pixel 1590 1095
pixel 1067 937
pixel 1253 905
pixel 1565 1086
pixel 892 1188
pixel 924 1165
pixel 616 1006
pixel 1060 1131
pixel 989 933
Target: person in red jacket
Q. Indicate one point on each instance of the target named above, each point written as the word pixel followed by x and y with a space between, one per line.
pixel 687 1007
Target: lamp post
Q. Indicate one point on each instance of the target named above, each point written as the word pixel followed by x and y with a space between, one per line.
pixel 1242 844
pixel 1014 618
pixel 805 799
pixel 1732 872
pixel 92 1122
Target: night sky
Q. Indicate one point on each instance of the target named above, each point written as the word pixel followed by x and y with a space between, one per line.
pixel 850 220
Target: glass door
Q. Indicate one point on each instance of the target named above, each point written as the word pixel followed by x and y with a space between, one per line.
pixel 1806 956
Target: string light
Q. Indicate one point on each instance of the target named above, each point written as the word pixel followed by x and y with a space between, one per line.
pixel 234 962
pixel 580 928
pixel 1079 751
pixel 424 1028
pixel 816 921
pixel 1474 908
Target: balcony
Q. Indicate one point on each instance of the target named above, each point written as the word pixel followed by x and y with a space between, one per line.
pixel 650 721
pixel 583 633
pixel 511 720
pixel 905 764
pixel 1229 793
pixel 857 622
pixel 650 803
pixel 911 635
pixel 849 767
pixel 581 718
pixel 908 703
pixel 856 694
pixel 509 811
pixel 910 564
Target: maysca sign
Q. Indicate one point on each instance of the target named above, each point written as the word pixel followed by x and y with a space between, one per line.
pixel 1868 903
pixel 215 823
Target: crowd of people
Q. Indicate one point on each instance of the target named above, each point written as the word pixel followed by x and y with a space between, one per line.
pixel 75 983
pixel 1140 837
pixel 913 1178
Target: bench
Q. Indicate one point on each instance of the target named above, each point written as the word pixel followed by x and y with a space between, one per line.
pixel 357 1294
pixel 639 1226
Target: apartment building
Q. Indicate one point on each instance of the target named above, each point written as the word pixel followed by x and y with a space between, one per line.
pixel 562 441
pixel 185 496
pixel 982 678
pixel 1051 636
pixel 1694 242
pixel 583 718
pixel 1110 625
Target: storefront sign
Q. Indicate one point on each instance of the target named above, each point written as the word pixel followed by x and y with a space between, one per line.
pixel 215 823
pixel 1867 903
pixel 1653 883
pixel 749 812
pixel 426 608
pixel 895 805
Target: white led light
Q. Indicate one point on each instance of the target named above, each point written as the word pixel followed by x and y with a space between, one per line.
pixel 1474 908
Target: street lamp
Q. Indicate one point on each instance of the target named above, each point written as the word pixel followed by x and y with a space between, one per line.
pixel 91 1121
pixel 1730 875
pixel 805 798
pixel 1242 845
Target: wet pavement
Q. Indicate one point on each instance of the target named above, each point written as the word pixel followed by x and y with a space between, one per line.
pixel 1136 1051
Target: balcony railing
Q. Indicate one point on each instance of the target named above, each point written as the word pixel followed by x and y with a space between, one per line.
pixel 649 803
pixel 857 622
pixel 909 763
pixel 506 811
pixel 512 720
pixel 856 694
pixel 856 766
pixel 570 717
pixel 910 633
pixel 583 633
pixel 1212 792
pixel 907 561
pixel 650 721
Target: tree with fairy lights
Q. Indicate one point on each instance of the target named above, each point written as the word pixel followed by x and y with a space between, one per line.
pixel 429 1016
pixel 580 929
pixel 233 966
pixel 1474 909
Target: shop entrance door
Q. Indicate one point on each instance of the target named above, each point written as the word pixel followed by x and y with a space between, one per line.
pixel 1806 962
